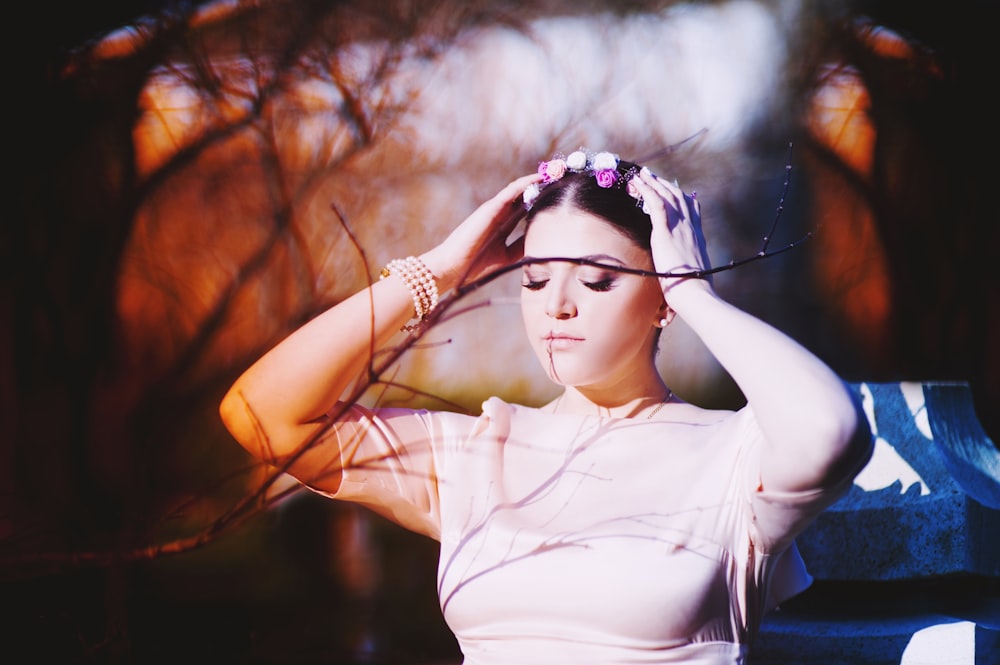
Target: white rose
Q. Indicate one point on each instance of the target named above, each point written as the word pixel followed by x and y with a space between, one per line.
pixel 577 161
pixel 531 193
pixel 605 160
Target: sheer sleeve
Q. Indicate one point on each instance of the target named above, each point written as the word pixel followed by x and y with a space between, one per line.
pixel 778 516
pixel 391 461
pixel 775 568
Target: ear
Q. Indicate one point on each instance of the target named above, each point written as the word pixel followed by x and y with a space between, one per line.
pixel 664 315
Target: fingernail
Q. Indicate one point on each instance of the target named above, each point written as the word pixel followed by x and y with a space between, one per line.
pixel 645 171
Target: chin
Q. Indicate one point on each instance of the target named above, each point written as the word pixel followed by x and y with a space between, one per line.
pixel 564 373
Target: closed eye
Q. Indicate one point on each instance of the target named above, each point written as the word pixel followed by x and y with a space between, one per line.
pixel 534 285
pixel 601 285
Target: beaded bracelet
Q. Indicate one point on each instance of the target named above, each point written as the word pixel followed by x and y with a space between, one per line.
pixel 421 283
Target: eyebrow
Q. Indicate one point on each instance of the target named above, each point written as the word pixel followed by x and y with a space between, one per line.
pixel 590 258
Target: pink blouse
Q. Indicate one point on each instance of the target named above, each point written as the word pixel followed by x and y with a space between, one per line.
pixel 585 539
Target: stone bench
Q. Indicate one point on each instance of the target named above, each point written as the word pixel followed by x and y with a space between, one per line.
pixel 907 563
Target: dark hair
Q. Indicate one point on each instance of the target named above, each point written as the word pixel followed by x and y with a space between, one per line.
pixel 612 204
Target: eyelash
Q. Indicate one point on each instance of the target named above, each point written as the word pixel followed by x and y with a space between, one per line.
pixel 601 286
pixel 534 285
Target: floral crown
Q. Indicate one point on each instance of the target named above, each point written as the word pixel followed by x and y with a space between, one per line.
pixel 602 165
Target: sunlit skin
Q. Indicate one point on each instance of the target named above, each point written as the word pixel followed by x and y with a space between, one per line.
pixel 597 342
pixel 593 329
pixel 518 496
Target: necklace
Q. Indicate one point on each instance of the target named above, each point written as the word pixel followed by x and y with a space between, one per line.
pixel 670 393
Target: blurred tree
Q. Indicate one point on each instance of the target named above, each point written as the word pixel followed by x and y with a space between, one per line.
pixel 150 259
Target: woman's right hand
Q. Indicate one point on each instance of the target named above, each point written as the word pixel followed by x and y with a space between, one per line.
pixel 478 245
pixel 275 405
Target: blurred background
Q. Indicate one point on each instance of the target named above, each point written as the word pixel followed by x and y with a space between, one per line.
pixel 193 180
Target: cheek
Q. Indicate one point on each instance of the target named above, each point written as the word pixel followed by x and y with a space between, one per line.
pixel 624 324
pixel 613 338
pixel 527 307
pixel 532 305
pixel 533 320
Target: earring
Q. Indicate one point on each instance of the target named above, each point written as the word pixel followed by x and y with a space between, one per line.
pixel 663 323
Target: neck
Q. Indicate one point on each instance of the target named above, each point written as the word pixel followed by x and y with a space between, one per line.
pixel 638 401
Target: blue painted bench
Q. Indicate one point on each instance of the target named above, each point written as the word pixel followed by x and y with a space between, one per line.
pixel 907 563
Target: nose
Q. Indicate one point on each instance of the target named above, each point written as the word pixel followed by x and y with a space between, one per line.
pixel 559 305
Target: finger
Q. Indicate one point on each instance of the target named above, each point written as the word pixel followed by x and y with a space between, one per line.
pixel 506 196
pixel 690 201
pixel 516 187
pixel 672 188
pixel 686 205
pixel 652 200
pixel 654 184
pixel 670 195
pixel 501 209
pixel 659 196
pixel 661 184
pixel 696 204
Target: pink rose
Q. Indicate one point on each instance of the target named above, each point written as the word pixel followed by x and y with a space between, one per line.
pixel 555 169
pixel 606 178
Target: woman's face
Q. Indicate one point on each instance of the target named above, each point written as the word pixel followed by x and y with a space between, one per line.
pixel 589 326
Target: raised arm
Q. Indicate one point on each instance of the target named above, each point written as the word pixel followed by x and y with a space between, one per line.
pixel 274 406
pixel 814 427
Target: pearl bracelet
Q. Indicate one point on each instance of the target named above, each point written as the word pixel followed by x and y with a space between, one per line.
pixel 421 283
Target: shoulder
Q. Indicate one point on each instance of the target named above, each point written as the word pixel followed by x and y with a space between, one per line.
pixel 686 412
pixel 497 407
pixel 494 410
pixel 499 414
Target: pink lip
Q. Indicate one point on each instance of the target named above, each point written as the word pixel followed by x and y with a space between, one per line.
pixel 561 341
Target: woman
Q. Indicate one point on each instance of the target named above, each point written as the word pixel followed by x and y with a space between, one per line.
pixel 616 524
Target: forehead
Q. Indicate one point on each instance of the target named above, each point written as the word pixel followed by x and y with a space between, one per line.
pixel 571 233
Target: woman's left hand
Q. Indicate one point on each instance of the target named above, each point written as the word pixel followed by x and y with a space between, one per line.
pixel 812 427
pixel 678 244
